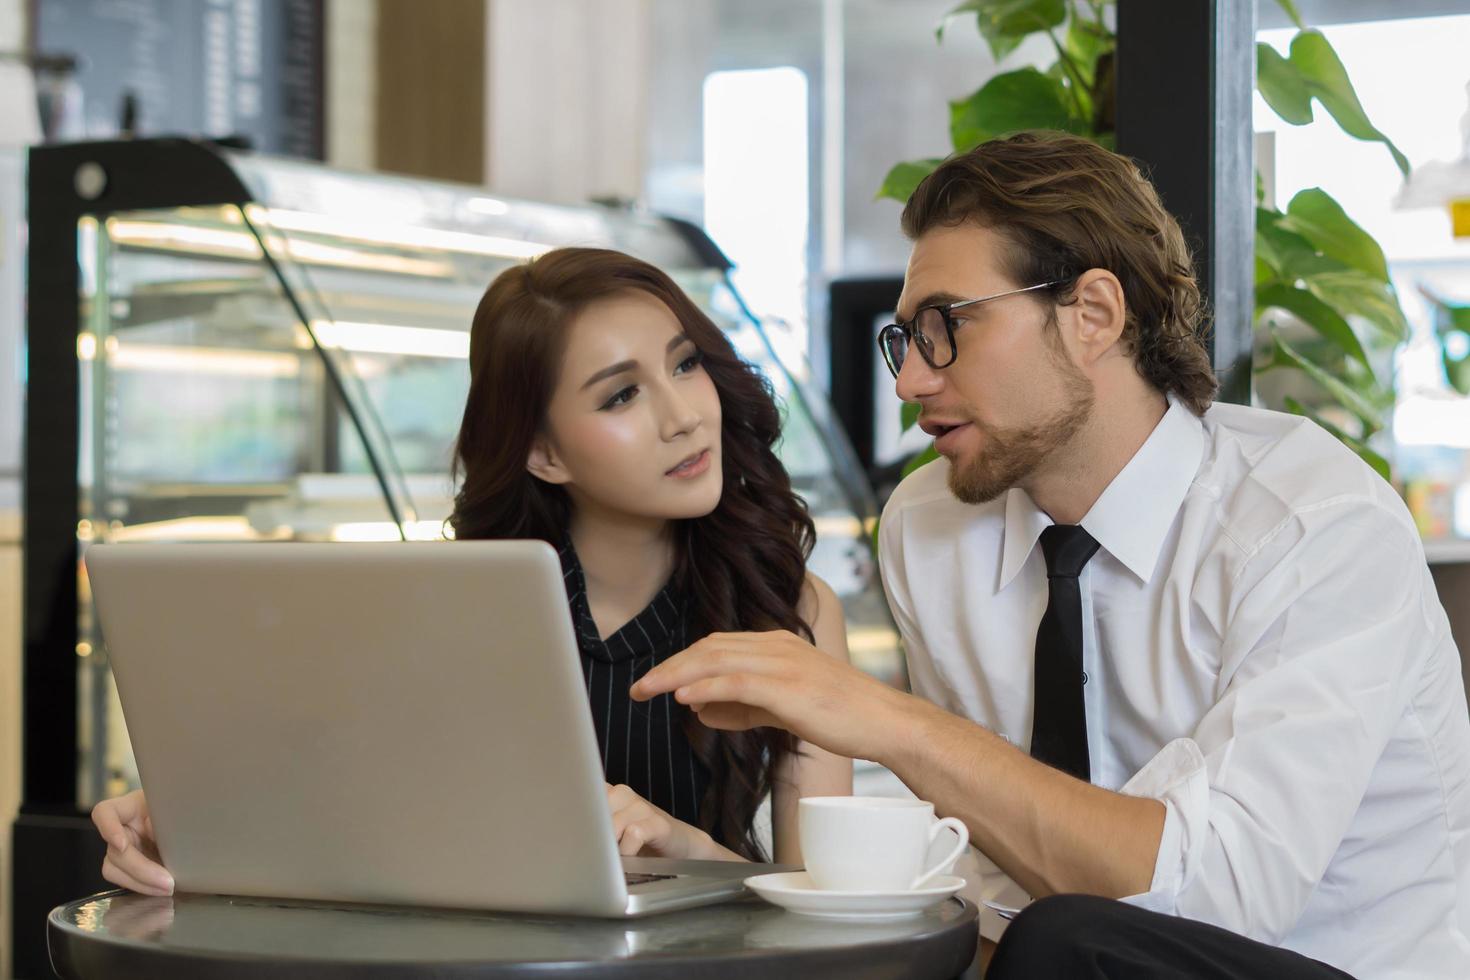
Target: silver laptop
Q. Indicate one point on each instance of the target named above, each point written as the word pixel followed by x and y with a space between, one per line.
pixel 401 723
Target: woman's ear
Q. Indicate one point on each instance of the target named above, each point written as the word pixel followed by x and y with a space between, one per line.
pixel 543 463
pixel 1100 314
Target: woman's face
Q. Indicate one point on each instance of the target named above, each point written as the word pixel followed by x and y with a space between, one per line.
pixel 633 427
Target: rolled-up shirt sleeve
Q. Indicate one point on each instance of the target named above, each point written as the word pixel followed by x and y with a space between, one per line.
pixel 1322 646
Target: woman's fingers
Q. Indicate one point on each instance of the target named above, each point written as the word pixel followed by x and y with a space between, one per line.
pixel 649 834
pixel 132 854
pixel 122 879
pixel 112 873
pixel 107 818
pixel 630 840
pixel 621 818
pixel 638 825
pixel 135 870
pixel 143 865
pixel 115 817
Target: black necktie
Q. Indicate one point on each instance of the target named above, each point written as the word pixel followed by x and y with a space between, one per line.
pixel 1059 726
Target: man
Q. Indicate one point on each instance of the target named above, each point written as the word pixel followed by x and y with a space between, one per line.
pixel 1182 655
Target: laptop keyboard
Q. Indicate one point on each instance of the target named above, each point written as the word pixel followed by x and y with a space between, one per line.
pixel 633 878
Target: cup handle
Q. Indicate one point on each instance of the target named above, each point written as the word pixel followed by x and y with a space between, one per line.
pixel 958 827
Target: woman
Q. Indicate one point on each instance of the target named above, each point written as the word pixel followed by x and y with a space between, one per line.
pixel 610 417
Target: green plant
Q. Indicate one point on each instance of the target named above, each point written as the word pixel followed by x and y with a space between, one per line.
pixel 1311 260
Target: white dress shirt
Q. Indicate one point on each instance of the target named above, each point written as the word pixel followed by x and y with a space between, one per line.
pixel 1264 653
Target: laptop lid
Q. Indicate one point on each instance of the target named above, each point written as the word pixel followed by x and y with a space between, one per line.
pixel 400 723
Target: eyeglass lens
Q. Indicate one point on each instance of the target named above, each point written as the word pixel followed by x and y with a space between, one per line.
pixel 929 334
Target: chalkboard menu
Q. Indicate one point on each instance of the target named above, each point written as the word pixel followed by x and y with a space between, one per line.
pixel 250 68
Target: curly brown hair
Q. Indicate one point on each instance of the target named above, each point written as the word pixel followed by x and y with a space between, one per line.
pixel 743 566
pixel 1065 205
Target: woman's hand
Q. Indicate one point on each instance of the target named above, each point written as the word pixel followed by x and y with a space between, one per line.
pixel 643 829
pixel 132 854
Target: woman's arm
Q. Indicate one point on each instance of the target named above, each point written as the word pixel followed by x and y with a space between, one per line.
pixel 810 771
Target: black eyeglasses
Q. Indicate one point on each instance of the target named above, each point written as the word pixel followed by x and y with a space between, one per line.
pixel 932 331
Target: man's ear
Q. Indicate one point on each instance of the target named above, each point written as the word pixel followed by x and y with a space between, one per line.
pixel 544 464
pixel 1099 313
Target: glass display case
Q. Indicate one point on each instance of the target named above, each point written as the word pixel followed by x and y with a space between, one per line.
pixel 270 350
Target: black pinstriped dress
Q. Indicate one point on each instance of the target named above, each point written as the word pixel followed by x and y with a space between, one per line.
pixel 643 743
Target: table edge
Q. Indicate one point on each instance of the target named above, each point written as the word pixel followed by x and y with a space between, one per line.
pixel 69 946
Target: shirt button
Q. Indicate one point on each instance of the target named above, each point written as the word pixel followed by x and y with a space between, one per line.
pixel 1084 677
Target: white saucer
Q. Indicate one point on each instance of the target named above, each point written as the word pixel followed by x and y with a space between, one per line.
pixel 793 890
pixel 1007 912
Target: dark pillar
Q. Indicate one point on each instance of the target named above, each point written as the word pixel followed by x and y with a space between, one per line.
pixel 855 311
pixel 1185 75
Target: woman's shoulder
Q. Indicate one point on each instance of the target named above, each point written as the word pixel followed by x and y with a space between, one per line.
pixel 821 609
pixel 816 595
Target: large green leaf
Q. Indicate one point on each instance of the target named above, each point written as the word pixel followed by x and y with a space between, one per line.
pixel 1373 459
pixel 1317 217
pixel 908 415
pixel 1322 72
pixel 1353 293
pixel 1086 41
pixel 1284 256
pixel 1365 382
pixel 1282 86
pixel 1016 100
pixel 1087 50
pixel 1284 355
pixel 1264 272
pixel 1006 23
pixel 1313 312
pixel 905 177
pixel 1290 256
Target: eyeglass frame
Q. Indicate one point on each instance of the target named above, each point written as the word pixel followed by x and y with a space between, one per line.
pixel 945 310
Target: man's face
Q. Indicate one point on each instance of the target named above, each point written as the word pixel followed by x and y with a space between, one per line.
pixel 1013 398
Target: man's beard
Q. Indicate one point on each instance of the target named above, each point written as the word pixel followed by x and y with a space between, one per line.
pixel 1009 456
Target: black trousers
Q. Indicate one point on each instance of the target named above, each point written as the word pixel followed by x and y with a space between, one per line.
pixel 1082 936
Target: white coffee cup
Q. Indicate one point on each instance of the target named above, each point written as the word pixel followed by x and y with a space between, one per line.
pixel 872 843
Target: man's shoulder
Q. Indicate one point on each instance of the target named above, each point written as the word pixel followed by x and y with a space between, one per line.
pixel 925 492
pixel 926 485
pixel 923 506
pixel 1264 469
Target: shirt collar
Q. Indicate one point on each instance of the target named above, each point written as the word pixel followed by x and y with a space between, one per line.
pixel 1134 513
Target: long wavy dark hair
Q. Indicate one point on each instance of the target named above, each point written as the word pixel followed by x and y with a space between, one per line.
pixel 743 566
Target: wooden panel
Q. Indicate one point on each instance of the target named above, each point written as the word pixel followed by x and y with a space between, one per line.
pixel 431 88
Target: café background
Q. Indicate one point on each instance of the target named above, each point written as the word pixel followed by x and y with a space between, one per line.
pixel 624 117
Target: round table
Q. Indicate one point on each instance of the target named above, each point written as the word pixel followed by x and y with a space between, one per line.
pixel 120 935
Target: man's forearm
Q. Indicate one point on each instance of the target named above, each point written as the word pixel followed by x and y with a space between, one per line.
pixel 1050 832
